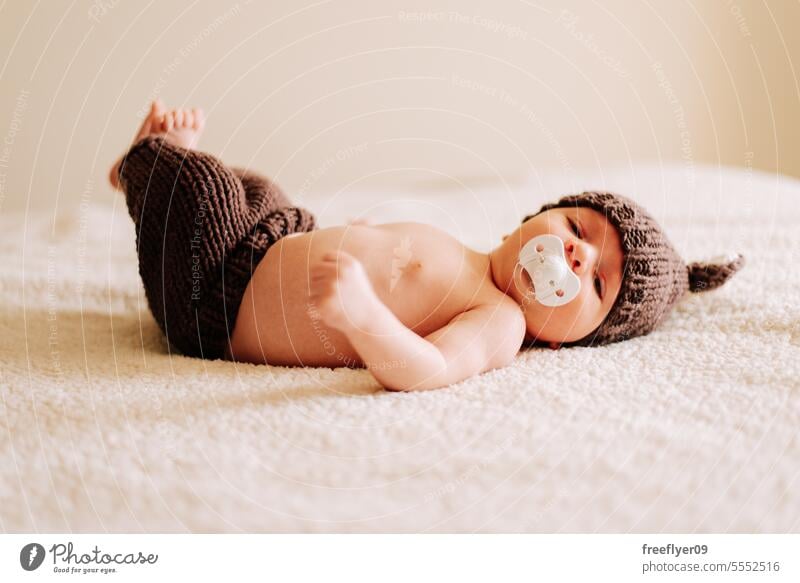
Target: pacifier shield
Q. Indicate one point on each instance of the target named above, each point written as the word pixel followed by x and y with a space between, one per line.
pixel 545 261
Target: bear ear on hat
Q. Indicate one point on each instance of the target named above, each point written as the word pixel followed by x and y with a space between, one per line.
pixel 708 275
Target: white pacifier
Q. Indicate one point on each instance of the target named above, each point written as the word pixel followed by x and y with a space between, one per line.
pixel 554 282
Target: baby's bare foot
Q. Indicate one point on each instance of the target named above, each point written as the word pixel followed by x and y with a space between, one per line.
pixel 181 127
pixel 148 127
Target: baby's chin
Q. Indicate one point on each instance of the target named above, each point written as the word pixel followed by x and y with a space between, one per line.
pixel 539 338
pixel 546 325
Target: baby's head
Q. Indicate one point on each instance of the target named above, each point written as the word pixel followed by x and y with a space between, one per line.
pixel 630 274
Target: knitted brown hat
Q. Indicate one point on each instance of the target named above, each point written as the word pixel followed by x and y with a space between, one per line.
pixel 654 276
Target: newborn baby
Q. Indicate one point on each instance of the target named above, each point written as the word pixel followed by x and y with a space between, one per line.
pixel 231 269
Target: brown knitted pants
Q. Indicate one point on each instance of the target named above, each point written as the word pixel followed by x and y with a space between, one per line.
pixel 201 230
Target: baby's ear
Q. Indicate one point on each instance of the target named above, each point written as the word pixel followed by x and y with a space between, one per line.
pixel 705 276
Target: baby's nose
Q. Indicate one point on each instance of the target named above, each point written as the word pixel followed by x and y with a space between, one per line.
pixel 580 256
pixel 576 257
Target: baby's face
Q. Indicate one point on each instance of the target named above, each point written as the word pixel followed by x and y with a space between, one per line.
pixel 594 252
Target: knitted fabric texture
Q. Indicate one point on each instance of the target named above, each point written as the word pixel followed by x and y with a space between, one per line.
pixel 654 275
pixel 201 230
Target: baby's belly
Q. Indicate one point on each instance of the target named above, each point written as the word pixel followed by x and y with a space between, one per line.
pixel 277 323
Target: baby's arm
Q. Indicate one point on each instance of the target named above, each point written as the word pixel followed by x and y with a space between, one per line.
pixel 475 341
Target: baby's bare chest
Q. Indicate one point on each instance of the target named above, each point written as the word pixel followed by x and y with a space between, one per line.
pixel 424 276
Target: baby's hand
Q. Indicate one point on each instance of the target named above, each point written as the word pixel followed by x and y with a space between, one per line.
pixel 341 292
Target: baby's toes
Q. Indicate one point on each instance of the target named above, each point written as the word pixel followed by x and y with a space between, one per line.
pixel 166 122
pixel 199 118
pixel 188 119
pixel 171 120
pixel 157 108
pixel 178 118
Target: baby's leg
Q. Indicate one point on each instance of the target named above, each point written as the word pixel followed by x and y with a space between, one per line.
pixel 201 230
pixel 258 186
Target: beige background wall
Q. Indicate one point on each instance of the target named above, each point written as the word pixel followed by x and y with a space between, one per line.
pixel 329 95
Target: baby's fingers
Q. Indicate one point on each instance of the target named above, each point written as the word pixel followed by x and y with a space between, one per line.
pixel 330 257
pixel 323 270
pixel 337 255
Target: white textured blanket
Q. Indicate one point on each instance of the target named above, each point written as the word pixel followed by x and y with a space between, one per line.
pixel 693 428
